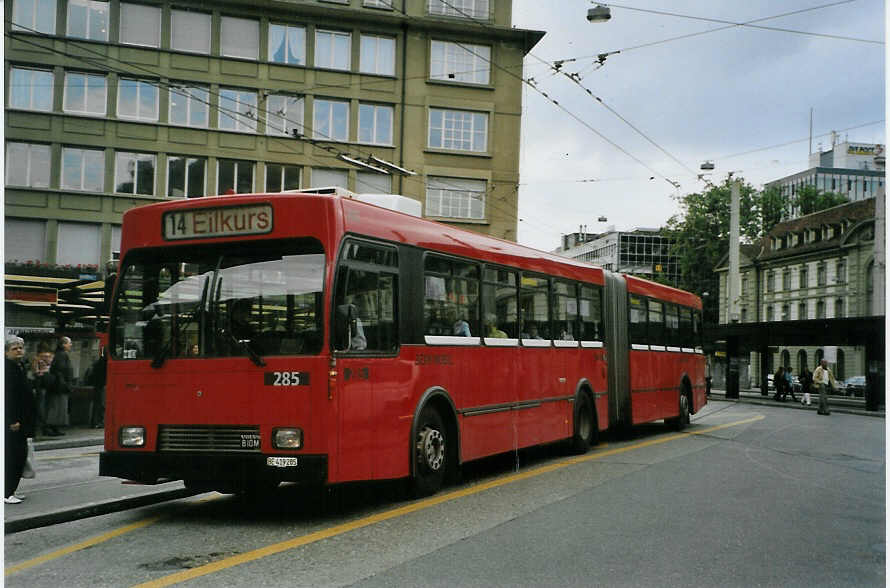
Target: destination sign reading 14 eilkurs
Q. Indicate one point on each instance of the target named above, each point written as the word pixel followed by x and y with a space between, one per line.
pixel 202 223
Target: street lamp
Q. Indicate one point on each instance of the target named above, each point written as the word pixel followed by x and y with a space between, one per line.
pixel 599 13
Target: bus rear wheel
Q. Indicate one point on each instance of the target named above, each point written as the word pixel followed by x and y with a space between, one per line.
pixel 430 452
pixel 585 426
pixel 681 421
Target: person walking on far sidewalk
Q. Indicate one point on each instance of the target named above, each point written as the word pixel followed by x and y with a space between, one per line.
pixel 823 378
pixel 57 399
pixel 20 416
pixel 789 383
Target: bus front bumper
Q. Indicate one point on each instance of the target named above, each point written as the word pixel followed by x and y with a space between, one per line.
pixel 151 467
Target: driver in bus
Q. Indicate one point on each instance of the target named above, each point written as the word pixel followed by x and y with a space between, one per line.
pixel 242 329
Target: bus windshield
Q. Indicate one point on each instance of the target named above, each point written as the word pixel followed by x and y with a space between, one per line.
pixel 220 300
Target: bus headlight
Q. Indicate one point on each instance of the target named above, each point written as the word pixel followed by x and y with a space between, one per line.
pixel 287 438
pixel 132 436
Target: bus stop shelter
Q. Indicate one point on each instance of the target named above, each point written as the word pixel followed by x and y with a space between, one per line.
pixel 742 338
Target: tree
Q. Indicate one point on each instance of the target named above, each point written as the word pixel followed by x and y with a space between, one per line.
pixel 809 199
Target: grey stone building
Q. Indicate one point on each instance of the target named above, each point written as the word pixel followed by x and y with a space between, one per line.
pixel 816 266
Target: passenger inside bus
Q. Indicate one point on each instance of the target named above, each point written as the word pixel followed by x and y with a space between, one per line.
pixel 532 332
pixel 491 329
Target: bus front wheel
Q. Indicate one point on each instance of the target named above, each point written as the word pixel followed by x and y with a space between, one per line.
pixel 681 421
pixel 430 453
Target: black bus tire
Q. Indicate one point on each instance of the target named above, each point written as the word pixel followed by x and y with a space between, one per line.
pixel 585 429
pixel 430 450
pixel 681 421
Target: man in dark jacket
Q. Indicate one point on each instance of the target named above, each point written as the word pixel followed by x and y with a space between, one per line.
pixel 20 416
pixel 57 402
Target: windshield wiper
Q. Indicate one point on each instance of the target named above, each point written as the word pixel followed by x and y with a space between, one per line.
pixel 251 352
pixel 159 359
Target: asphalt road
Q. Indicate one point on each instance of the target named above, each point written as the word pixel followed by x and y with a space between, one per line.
pixel 754 496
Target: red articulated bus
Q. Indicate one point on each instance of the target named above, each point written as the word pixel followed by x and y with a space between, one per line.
pixel 321 339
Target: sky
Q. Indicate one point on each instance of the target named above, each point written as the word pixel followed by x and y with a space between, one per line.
pixel 715 96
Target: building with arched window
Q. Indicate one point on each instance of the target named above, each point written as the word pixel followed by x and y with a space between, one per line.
pixel 825 261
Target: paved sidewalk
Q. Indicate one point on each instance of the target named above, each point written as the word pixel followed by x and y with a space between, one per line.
pixel 840 404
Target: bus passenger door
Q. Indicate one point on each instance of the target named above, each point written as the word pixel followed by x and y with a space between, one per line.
pixel 365 340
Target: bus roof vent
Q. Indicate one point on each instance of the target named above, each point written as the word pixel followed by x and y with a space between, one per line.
pixel 395 202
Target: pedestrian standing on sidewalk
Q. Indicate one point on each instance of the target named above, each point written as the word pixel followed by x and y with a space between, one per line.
pixel 97 379
pixel 789 383
pixel 57 400
pixel 779 383
pixel 43 382
pixel 20 415
pixel 806 382
pixel 823 378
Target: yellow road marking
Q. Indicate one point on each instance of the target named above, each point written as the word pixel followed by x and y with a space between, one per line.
pixel 275 548
pixel 88 543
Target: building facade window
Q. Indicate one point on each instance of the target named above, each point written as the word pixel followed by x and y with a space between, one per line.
pixel 841 271
pixel 821 271
pixel 476 9
pixel 140 25
pixel 460 62
pixel 786 279
pixel 280 177
pixel 37 16
pixel 802 313
pixel 287 44
pixel 378 55
pixel 234 177
pixel 385 4
pixel 330 120
pixel 770 281
pixel 332 49
pixel 190 31
pixel 237 110
pixel 134 173
pixel 373 183
pixel 744 285
pixel 83 169
pixel 770 313
pixel 27 164
pixel 839 308
pixel 88 19
pixel 324 177
pixel 786 312
pixel 24 240
pixel 31 89
pixel 803 277
pixel 78 243
pixel 85 93
pixel 186 176
pixel 189 106
pixel 137 100
pixel 455 198
pixel 820 309
pixel 460 130
pixel 284 115
pixel 375 124
pixel 239 37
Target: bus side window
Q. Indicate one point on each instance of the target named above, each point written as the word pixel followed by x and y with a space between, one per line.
pixel 638 334
pixel 591 313
pixel 696 328
pixel 451 297
pixel 565 311
pixel 499 300
pixel 686 337
pixel 535 303
pixel 656 323
pixel 672 325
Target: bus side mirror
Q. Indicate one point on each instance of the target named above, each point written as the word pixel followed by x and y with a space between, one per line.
pixel 344 326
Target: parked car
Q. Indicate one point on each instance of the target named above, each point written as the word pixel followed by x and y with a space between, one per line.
pixel 854 386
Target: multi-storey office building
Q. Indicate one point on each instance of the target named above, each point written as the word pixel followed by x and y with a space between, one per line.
pixel 817 266
pixel 852 169
pixel 114 104
pixel 642 252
